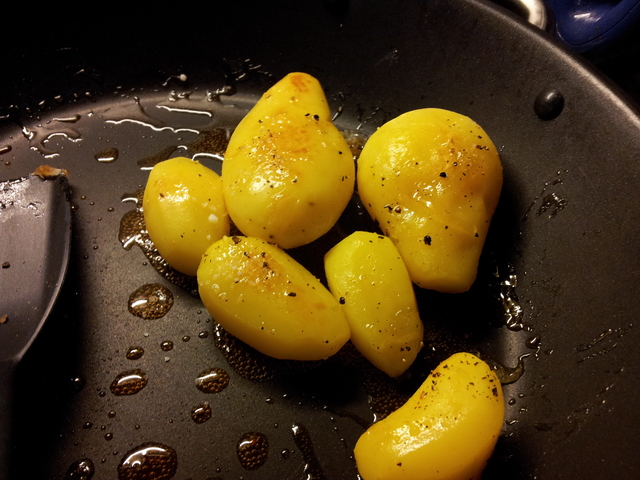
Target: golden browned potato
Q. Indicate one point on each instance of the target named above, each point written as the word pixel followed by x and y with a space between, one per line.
pixel 432 178
pixel 365 272
pixel 448 429
pixel 262 296
pixel 184 211
pixel 288 173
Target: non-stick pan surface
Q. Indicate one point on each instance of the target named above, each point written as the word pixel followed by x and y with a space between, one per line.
pixel 556 296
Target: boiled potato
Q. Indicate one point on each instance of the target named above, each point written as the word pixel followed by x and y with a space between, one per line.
pixel 184 211
pixel 366 273
pixel 288 173
pixel 446 430
pixel 432 178
pixel 259 294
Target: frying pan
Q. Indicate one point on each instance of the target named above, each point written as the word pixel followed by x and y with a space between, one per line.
pixel 554 306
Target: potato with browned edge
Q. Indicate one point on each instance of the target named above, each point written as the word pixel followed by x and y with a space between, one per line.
pixel 184 211
pixel 447 430
pixel 262 296
pixel 431 178
pixel 366 273
pixel 288 172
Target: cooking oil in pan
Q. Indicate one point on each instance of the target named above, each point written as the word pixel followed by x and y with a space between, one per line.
pixel 134 353
pixel 129 382
pixel 107 155
pixel 252 450
pixel 213 380
pixel 132 232
pixel 302 439
pixel 201 413
pixel 149 461
pixel 151 301
pixel 81 470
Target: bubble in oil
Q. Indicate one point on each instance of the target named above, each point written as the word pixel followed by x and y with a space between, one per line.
pixel 135 353
pixel 80 470
pixel 201 413
pixel 129 383
pixel 252 450
pixel 107 155
pixel 148 163
pixel 151 301
pixel 252 364
pixel 302 439
pixel 149 461
pixel 212 380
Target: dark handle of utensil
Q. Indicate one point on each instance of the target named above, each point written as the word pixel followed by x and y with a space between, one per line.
pixel 7 368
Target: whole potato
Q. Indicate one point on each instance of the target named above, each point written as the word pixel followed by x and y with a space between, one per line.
pixel 448 429
pixel 262 296
pixel 365 271
pixel 288 173
pixel 432 178
pixel 184 211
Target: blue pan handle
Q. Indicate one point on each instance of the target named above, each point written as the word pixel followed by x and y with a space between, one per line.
pixel 588 24
pixel 582 25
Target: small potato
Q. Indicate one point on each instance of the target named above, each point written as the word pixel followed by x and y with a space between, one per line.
pixel 447 430
pixel 432 178
pixel 259 294
pixel 184 211
pixel 365 271
pixel 288 172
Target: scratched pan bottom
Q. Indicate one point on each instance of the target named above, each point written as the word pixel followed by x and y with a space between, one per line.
pixel 555 292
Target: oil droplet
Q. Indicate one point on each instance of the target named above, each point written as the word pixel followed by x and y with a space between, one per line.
pixel 5 149
pixel 513 311
pixel 508 375
pixel 80 470
pixel 151 301
pixel 201 413
pixel 129 383
pixel 135 353
pixel 212 380
pixel 312 468
pixel 551 204
pixel 77 384
pixel 149 461
pixel 166 345
pixel 107 156
pixel 252 450
pixel 533 342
